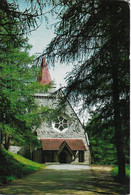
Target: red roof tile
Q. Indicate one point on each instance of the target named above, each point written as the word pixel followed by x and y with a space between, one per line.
pixel 55 144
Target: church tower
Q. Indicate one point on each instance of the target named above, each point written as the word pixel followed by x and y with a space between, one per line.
pixel 63 141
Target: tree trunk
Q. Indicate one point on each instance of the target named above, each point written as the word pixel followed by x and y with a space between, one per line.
pixel 119 139
pixel 7 142
pixel 1 139
pixel 118 130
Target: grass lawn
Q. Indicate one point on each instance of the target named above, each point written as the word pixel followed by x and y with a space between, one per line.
pixel 13 166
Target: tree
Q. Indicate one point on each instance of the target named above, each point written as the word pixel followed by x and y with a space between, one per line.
pixel 19 112
pixel 96 35
pixel 101 134
pixel 25 17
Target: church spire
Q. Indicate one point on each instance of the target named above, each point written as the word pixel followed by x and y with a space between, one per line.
pixel 44 75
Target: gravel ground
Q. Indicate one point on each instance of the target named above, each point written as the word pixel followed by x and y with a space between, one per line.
pixel 68 167
pixel 65 179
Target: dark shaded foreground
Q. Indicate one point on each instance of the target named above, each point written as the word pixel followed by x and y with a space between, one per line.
pixel 97 180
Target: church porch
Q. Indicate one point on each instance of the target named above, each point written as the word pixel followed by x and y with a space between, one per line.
pixel 63 150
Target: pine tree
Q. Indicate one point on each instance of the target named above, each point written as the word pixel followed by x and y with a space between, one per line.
pixel 19 112
pixel 96 35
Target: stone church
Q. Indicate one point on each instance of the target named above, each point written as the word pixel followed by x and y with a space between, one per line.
pixel 63 141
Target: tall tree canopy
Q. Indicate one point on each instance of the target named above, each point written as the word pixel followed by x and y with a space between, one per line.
pixel 19 113
pixel 95 34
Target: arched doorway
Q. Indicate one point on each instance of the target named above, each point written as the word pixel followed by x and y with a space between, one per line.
pixel 65 153
pixel 63 158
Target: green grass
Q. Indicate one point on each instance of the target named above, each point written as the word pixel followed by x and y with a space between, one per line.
pixel 114 172
pixel 14 166
pixel 28 163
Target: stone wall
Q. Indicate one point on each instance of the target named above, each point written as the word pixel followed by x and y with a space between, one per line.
pixel 14 149
pixel 74 130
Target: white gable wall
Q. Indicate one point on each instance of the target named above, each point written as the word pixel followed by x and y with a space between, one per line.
pixel 74 130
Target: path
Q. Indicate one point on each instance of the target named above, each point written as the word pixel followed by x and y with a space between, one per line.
pixel 66 179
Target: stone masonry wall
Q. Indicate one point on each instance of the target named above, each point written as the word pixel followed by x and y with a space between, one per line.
pixel 74 130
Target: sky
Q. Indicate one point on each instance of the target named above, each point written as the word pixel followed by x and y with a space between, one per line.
pixel 39 39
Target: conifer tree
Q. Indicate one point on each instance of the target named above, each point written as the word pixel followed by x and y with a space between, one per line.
pixel 96 35
pixel 19 113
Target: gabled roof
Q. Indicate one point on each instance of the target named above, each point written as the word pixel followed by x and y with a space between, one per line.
pixel 55 144
pixel 63 146
pixel 44 75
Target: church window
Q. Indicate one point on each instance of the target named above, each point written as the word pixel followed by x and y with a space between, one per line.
pixel 60 124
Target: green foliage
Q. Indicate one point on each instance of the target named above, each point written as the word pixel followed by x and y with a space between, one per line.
pixel 14 166
pixel 95 35
pixel 103 152
pixel 101 136
pixel 114 172
pixel 18 108
pixel 25 17
pixel 19 112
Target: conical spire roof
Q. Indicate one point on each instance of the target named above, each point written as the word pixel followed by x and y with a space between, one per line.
pixel 44 75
